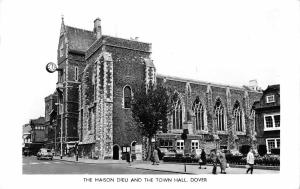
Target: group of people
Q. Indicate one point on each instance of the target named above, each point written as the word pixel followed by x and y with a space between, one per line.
pixel 218 157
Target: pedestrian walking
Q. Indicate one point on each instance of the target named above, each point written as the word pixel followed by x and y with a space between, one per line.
pixel 223 162
pixel 250 161
pixel 214 158
pixel 202 159
pixel 128 158
pixel 155 157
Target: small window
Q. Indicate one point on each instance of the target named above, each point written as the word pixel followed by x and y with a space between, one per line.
pixel 127 97
pixel 166 144
pixel 270 98
pixel 272 143
pixel 179 144
pixel 269 122
pixel 272 122
pixel 195 144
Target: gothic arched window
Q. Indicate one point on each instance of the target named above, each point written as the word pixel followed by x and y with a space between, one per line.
pixel 238 117
pixel 199 114
pixel 219 113
pixel 177 112
pixel 127 97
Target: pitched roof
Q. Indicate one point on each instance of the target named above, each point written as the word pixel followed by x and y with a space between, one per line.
pixel 79 39
pixel 38 121
pixel 273 87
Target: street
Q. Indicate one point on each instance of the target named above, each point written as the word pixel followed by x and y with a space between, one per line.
pixel 33 166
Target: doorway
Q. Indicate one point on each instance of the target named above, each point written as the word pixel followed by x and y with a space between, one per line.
pixel 116 152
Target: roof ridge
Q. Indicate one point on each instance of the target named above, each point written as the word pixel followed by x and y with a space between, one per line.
pixel 203 82
pixel 78 28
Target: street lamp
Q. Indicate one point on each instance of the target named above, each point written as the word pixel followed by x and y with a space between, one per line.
pixel 51 68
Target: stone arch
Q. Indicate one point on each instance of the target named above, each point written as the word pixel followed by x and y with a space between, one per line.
pixel 178 112
pixel 219 114
pixel 238 116
pixel 199 114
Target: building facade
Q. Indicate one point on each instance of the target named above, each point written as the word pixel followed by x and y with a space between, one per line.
pixel 98 75
pixel 268 119
pixel 26 136
pixel 50 121
pixel 38 133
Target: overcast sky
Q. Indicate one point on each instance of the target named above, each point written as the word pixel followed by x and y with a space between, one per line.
pixel 229 42
pixel 223 41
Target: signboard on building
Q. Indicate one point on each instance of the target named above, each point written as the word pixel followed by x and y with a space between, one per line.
pixel 138 151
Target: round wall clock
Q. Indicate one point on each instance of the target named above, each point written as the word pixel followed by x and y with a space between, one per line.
pixel 51 67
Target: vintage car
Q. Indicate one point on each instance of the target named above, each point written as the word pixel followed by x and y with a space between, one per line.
pixel 44 153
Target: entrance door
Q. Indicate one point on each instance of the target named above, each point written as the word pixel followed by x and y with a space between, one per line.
pixel 116 152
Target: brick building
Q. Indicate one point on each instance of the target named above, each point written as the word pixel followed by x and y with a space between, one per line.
pixel 97 79
pixel 38 133
pixel 50 121
pixel 268 118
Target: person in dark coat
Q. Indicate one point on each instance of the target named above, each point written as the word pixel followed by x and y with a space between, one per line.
pixel 214 158
pixel 128 158
pixel 202 160
pixel 155 156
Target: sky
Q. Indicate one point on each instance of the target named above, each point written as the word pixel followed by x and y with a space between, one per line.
pixel 228 42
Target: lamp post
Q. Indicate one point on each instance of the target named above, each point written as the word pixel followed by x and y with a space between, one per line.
pixel 51 68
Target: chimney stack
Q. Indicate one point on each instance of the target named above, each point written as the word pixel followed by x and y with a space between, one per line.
pixel 97 28
pixel 253 84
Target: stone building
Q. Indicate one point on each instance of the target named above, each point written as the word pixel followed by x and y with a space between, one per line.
pixel 268 119
pixel 215 115
pixel 97 79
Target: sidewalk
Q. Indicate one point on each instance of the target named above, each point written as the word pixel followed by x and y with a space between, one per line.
pixel 194 169
pixel 85 160
pixel 177 168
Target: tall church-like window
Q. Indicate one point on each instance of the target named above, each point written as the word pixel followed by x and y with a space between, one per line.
pixel 177 112
pixel 76 73
pixel 127 97
pixel 238 117
pixel 219 113
pixel 199 114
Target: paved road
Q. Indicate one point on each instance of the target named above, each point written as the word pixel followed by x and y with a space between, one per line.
pixel 33 166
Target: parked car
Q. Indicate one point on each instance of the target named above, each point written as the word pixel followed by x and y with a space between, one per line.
pixel 26 152
pixel 44 153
